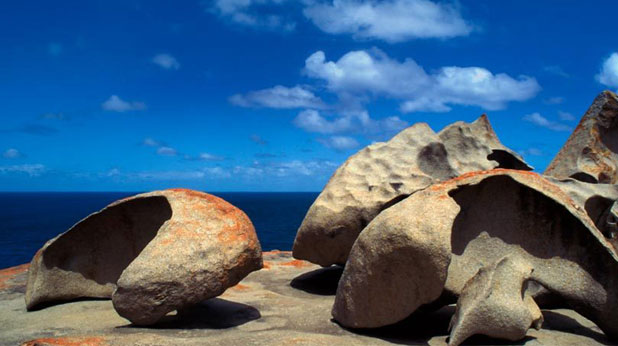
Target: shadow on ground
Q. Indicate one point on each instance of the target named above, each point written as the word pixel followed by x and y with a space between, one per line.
pixel 215 313
pixel 321 281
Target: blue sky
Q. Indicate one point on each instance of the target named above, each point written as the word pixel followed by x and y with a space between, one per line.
pixel 273 95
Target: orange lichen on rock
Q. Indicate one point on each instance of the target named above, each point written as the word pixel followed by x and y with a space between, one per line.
pixel 240 287
pixel 10 273
pixel 67 341
pixel 296 264
pixel 277 252
pixel 267 265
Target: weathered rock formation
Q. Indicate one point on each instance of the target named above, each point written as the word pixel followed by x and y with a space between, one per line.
pixel 591 152
pixel 496 302
pixel 151 253
pixel 436 240
pixel 382 174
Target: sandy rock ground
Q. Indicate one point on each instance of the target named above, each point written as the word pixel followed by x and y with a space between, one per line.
pixel 287 303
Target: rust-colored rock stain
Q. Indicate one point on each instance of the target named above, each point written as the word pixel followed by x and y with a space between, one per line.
pixel 67 341
pixel 9 274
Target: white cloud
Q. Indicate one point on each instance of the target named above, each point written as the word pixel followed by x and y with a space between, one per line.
pixel 609 72
pixel 566 116
pixel 310 120
pixel 293 168
pixel 33 170
pixel 166 151
pixel 166 61
pixel 279 97
pixel 349 122
pixel 541 121
pixel 253 13
pixel 208 157
pixel 150 142
pixel 339 143
pixel 170 175
pixel 531 152
pixel 11 154
pixel 361 72
pixel 389 20
pixel 116 104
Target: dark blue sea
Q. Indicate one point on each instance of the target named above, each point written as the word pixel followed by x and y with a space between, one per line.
pixel 28 220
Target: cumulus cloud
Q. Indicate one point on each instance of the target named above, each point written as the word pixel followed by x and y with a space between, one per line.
pixel 609 72
pixel 388 20
pixel 374 73
pixel 349 122
pixel 539 120
pixel 253 13
pixel 33 170
pixel 279 97
pixel 166 61
pixel 11 153
pixel 166 151
pixel 116 104
pixel 339 143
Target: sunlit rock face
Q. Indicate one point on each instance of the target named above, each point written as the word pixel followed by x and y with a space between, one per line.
pixel 382 174
pixel 591 152
pixel 151 253
pixel 438 239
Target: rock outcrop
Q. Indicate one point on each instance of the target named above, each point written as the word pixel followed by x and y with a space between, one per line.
pixel 496 302
pixel 591 152
pixel 151 253
pixel 382 174
pixel 436 240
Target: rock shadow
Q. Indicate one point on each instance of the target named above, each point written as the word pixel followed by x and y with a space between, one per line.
pixel 48 304
pixel 423 325
pixel 554 320
pixel 323 281
pixel 215 313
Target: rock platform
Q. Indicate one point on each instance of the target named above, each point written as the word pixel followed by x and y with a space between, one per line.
pixel 288 302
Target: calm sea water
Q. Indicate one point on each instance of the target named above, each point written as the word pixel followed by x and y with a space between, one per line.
pixel 28 220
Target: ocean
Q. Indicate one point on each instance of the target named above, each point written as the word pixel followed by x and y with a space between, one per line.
pixel 28 220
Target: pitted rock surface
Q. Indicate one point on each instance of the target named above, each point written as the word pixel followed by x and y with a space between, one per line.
pixel 591 152
pixel 151 253
pixel 436 240
pixel 382 174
